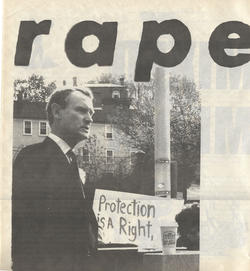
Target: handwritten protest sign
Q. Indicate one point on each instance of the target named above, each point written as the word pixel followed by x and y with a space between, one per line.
pixel 133 218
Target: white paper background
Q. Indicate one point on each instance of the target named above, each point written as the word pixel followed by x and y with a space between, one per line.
pixel 224 177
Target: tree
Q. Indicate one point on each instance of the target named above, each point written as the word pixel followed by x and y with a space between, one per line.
pixel 185 130
pixel 33 89
pixel 94 161
pixel 138 123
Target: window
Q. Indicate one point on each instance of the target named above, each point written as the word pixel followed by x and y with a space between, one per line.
pixel 43 128
pixel 85 155
pixel 108 174
pixel 108 132
pixel 110 156
pixel 27 127
pixel 132 157
pixel 116 94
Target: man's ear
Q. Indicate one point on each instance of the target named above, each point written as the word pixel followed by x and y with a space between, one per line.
pixel 56 111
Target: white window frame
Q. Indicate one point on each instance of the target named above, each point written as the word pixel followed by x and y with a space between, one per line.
pixel 131 154
pixel 87 156
pixel 116 92
pixel 43 121
pixel 24 133
pixel 107 131
pixel 107 162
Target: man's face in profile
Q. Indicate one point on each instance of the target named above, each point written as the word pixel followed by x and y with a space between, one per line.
pixel 76 117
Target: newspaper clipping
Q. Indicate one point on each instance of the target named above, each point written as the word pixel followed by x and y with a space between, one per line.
pixel 125 136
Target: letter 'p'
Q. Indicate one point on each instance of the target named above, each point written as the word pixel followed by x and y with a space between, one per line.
pixel 149 53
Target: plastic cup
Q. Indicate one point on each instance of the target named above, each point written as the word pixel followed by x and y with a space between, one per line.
pixel 169 237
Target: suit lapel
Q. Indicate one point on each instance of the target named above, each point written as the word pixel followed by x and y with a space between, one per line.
pixel 64 182
pixel 54 150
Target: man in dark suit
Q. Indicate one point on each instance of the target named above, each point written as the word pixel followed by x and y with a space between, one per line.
pixel 53 224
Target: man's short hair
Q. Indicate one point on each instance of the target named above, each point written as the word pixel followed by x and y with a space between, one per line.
pixel 60 97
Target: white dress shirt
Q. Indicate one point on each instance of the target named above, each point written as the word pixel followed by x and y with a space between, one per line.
pixel 65 148
pixel 61 143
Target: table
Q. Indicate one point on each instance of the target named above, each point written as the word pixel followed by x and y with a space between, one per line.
pixel 132 260
pixel 181 261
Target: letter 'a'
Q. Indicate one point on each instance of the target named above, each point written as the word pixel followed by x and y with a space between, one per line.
pixel 103 55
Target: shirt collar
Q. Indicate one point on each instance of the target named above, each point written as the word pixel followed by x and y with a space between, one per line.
pixel 60 142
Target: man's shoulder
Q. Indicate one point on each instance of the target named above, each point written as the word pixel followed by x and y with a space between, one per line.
pixel 28 160
pixel 36 151
pixel 32 149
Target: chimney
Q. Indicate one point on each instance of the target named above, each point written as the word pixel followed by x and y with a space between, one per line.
pixel 74 81
pixel 121 79
pixel 64 82
pixel 19 96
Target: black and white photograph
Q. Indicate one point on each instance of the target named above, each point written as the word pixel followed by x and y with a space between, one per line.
pixel 70 140
pixel 125 136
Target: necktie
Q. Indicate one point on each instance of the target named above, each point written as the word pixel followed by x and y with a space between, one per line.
pixel 92 239
pixel 74 168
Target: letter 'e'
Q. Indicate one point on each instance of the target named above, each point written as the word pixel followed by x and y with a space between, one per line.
pixel 220 40
pixel 103 55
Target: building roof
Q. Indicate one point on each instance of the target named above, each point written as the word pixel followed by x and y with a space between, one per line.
pixel 29 110
pixel 37 110
pixel 100 116
pixel 104 85
pixel 24 109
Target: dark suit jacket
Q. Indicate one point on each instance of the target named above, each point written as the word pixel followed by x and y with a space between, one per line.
pixel 50 217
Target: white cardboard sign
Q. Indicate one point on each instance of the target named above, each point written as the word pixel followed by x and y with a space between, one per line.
pixel 133 218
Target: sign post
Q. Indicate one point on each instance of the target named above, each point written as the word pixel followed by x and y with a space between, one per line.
pixel 162 135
